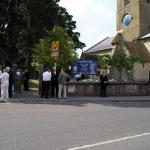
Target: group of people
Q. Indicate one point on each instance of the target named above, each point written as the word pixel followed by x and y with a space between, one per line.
pixel 11 81
pixel 58 80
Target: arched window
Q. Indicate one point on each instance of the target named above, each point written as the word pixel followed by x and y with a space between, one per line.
pixel 126 2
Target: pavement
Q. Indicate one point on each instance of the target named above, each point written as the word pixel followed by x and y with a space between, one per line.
pixel 32 96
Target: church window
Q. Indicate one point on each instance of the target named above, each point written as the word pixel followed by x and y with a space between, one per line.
pixel 126 2
pixel 126 19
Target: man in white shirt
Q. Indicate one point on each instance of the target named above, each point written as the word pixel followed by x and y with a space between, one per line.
pixel 4 85
pixel 46 78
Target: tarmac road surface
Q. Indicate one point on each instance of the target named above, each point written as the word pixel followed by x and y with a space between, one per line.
pixel 75 125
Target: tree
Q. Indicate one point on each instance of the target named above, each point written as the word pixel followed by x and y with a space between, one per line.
pixel 64 20
pixel 13 30
pixel 120 60
pixel 105 61
pixel 23 23
pixel 42 51
pixel 130 61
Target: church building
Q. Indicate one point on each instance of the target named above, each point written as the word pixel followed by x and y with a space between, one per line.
pixel 133 35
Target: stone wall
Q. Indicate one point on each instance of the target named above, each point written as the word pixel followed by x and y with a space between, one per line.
pixel 113 89
pixel 141 71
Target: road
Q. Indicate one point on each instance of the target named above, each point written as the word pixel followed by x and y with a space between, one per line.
pixel 75 126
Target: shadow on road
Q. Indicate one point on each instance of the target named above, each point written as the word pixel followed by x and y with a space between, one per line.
pixel 32 97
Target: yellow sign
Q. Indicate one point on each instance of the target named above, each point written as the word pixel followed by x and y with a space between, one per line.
pixel 55 48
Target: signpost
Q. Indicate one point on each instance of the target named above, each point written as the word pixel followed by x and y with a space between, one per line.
pixel 55 49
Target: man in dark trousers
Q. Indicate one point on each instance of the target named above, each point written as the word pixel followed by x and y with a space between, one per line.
pixel 26 80
pixel 11 80
pixel 103 83
pixel 46 78
pixel 54 82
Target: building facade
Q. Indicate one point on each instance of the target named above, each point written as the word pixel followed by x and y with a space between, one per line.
pixel 133 35
pixel 133 18
pixel 133 21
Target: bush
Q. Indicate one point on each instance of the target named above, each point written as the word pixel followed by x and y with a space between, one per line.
pixel 33 83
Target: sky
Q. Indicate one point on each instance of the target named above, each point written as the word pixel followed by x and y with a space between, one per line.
pixel 95 19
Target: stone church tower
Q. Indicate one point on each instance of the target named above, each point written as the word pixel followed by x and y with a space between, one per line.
pixel 133 18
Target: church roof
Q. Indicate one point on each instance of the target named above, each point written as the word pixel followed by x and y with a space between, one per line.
pixel 137 48
pixel 105 44
pixel 145 36
pixel 117 38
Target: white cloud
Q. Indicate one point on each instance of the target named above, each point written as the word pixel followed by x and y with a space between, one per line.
pixel 95 19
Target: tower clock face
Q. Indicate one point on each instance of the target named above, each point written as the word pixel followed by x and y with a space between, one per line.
pixel 126 20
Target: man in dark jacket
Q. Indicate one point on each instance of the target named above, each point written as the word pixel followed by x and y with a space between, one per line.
pixel 54 82
pixel 103 83
pixel 11 80
pixel 26 80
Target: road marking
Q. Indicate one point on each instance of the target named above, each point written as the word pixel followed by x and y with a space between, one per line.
pixel 110 141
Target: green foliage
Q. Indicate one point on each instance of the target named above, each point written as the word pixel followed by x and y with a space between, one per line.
pixel 65 21
pixel 105 61
pixel 120 61
pixel 24 22
pixel 130 61
pixel 43 49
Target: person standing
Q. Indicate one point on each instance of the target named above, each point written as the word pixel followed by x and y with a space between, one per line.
pixel 18 81
pixel 0 73
pixel 54 82
pixel 103 83
pixel 4 85
pixel 46 78
pixel 62 81
pixel 10 72
pixel 0 81
pixel 26 80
